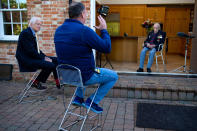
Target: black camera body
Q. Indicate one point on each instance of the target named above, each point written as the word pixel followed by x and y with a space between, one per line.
pixel 103 10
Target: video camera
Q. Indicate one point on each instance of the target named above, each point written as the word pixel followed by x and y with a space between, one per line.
pixel 103 10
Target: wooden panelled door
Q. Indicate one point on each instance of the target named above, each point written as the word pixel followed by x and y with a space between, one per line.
pixel 176 20
pixel 156 14
pixel 131 18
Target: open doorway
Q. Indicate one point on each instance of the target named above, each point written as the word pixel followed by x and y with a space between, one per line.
pixel 127 35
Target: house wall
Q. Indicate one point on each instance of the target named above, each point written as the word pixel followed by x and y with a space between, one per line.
pixel 194 43
pixel 146 1
pixel 53 13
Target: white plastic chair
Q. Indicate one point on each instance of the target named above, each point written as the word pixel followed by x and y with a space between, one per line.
pixel 70 75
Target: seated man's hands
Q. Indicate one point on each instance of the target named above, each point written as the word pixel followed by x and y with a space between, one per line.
pixel 47 59
pixel 102 23
pixel 150 45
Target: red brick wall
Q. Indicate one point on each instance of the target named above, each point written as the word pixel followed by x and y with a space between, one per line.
pixel 53 14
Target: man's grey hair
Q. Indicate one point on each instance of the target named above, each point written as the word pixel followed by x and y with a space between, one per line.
pixel 158 25
pixel 33 20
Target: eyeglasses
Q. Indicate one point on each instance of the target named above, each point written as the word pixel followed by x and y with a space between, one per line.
pixel 39 24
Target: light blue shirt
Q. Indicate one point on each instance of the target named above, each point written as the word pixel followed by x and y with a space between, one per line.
pixel 34 33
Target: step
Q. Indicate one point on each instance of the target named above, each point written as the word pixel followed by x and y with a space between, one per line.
pixel 154 86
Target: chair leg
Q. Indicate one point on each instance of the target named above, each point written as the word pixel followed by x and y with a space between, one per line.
pixel 88 110
pixel 99 121
pixel 157 67
pixel 27 87
pixel 60 126
pixel 163 63
pixel 82 117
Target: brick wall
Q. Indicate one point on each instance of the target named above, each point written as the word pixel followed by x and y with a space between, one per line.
pixel 53 14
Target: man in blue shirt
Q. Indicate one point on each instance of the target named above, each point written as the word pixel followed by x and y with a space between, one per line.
pixel 74 43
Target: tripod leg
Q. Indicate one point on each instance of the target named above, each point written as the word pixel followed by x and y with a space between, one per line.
pixel 185 63
pixel 163 63
pixel 184 70
pixel 107 61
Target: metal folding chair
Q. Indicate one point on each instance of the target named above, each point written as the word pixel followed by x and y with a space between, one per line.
pixel 160 54
pixel 70 75
pixel 26 91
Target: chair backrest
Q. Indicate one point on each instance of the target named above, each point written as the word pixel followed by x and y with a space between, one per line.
pixel 162 46
pixel 70 75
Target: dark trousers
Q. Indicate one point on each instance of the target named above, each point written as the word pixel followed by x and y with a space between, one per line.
pixel 46 69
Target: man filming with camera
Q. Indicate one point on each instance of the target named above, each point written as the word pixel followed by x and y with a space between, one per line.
pixel 74 43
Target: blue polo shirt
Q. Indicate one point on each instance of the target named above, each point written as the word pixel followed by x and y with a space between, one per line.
pixel 74 43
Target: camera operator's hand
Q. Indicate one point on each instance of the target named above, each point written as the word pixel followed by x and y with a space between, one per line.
pixel 102 23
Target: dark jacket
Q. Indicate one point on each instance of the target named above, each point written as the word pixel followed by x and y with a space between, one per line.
pixel 27 54
pixel 159 38
pixel 74 43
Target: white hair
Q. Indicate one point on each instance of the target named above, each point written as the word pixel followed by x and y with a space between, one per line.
pixel 158 25
pixel 33 20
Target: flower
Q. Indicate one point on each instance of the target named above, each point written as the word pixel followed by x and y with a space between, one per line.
pixel 148 25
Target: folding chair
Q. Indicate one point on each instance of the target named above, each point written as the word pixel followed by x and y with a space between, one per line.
pixel 26 91
pixel 160 54
pixel 70 75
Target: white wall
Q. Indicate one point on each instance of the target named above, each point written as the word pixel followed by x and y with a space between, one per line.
pixel 146 1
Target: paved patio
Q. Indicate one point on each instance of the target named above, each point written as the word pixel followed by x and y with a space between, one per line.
pixel 119 113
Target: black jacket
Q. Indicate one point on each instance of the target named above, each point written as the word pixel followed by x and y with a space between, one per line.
pixel 27 54
pixel 159 39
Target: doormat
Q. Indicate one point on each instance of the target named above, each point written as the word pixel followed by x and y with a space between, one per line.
pixel 6 71
pixel 167 117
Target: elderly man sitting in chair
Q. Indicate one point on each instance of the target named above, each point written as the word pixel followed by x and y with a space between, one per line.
pixel 151 44
pixel 30 57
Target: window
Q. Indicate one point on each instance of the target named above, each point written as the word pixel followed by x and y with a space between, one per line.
pixel 13 18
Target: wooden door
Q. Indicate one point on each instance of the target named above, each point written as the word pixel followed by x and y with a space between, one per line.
pixel 131 18
pixel 176 20
pixel 156 14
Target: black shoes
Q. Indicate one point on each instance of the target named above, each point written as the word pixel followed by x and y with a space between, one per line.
pixel 39 86
pixel 149 70
pixel 58 86
pixel 140 70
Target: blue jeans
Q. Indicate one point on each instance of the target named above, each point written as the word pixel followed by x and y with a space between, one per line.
pixel 143 55
pixel 106 78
